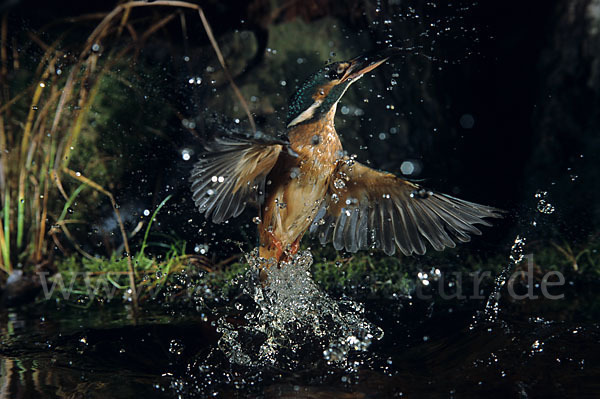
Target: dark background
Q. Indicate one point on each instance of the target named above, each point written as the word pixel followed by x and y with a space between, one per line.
pixel 527 73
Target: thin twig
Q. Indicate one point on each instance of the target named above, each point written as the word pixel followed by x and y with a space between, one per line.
pixel 157 26
pixel 6 267
pixel 3 52
pixel 16 98
pixel 124 19
pixel 237 91
pixel 65 230
pixel 56 178
pixel 227 261
pixel 44 214
pixel 58 243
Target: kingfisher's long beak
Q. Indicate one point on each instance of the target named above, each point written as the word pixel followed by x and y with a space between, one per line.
pixel 367 62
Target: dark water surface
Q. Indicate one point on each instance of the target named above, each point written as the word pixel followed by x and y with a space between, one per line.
pixel 446 350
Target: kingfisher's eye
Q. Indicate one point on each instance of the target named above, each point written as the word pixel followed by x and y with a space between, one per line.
pixel 337 70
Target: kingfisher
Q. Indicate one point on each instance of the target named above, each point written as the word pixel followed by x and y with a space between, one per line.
pixel 303 181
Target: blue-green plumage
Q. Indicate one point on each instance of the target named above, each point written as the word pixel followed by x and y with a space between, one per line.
pixel 304 97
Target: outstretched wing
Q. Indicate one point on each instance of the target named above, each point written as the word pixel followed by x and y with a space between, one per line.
pixel 370 209
pixel 231 174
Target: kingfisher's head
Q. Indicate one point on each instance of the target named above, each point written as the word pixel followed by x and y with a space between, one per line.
pixel 320 93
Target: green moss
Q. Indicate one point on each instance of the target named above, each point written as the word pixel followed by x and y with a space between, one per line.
pixel 376 275
pixel 364 274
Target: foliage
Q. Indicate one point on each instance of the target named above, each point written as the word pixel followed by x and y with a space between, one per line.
pixel 364 274
pixel 105 278
pixel 41 123
pixel 374 274
pixel 52 116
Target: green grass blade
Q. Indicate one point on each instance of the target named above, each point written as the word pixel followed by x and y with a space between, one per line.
pixel 144 243
pixel 74 195
pixel 6 249
pixel 20 221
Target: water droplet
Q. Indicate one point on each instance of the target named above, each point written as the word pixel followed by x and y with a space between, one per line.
pixel 421 193
pixel 537 346
pixel 201 249
pixel 516 251
pixel 339 184
pixel 176 347
pixel 543 206
pixel 407 168
pixel 256 220
pixel 467 121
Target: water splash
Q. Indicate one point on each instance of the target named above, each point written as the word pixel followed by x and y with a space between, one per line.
pixel 289 318
pixel 492 306
pixel 516 251
pixel 277 320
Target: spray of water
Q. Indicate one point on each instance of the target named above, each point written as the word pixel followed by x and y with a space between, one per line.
pixel 517 255
pixel 284 322
pixel 290 318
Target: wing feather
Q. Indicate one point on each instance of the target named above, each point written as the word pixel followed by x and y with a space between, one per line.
pixel 231 174
pixel 379 210
pixel 363 228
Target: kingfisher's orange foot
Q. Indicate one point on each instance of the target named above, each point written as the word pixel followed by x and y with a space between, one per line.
pixel 273 249
pixel 295 247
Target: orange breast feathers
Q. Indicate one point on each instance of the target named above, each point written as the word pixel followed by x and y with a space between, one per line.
pixel 298 187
